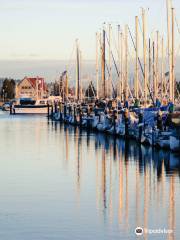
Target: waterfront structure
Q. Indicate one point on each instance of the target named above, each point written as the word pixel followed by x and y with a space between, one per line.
pixel 32 87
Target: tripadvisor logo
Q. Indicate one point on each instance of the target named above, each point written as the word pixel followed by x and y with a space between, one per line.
pixel 139 231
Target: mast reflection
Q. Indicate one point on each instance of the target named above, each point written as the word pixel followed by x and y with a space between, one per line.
pixel 128 177
pixel 120 186
pixel 104 178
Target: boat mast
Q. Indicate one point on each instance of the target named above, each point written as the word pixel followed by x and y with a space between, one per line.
pixel 67 83
pixel 100 48
pixel 168 28
pixel 173 60
pixel 119 63
pixel 144 55
pixel 168 45
pixel 97 68
pixel 157 64
pixel 126 63
pixel 136 85
pixel 110 64
pixel 77 71
pixel 62 86
pixel 154 74
pixel 103 76
pixel 122 65
pixel 150 65
pixel 80 77
pixel 162 69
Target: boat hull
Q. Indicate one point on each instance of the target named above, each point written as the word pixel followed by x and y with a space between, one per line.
pixel 35 109
pixel 175 143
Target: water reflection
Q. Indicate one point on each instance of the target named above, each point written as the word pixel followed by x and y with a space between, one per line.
pixel 78 157
pixel 135 185
pixel 65 183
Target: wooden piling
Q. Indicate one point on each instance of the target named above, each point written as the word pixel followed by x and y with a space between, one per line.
pixel 10 109
pixel 48 113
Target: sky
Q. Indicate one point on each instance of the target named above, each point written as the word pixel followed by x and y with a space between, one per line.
pixel 47 29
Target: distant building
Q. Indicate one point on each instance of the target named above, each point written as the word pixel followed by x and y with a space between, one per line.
pixel 34 88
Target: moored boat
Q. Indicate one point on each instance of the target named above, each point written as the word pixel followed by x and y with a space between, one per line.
pixel 175 143
pixel 30 106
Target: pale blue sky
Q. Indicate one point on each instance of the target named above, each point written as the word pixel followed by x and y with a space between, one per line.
pixel 47 29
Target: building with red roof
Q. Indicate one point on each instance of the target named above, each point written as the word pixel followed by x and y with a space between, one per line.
pixel 32 87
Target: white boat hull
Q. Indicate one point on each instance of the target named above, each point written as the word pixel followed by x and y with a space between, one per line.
pixel 31 109
pixel 174 143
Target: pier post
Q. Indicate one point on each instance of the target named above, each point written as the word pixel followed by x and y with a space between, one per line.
pixel 75 115
pixel 11 109
pixel 140 125
pixel 60 111
pixel 48 113
pixel 80 113
pixel 55 107
pixel 88 117
pixel 52 110
pixel 114 121
pixel 126 119
pixel 64 111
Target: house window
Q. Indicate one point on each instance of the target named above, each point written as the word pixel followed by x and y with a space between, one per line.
pixel 26 87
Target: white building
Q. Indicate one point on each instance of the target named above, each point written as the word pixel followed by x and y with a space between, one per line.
pixel 34 88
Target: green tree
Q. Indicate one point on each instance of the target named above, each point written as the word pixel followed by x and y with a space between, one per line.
pixel 56 89
pixel 178 86
pixel 90 91
pixel 177 92
pixel 8 89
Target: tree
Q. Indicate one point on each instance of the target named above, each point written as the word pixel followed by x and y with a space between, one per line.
pixel 8 89
pixel 178 86
pixel 177 92
pixel 56 88
pixel 90 91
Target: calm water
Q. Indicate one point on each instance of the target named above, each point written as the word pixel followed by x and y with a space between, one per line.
pixel 57 182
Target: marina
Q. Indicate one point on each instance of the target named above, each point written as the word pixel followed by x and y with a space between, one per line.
pixel 145 125
pixel 90 120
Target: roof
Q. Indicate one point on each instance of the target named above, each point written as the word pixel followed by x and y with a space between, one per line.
pixel 33 81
